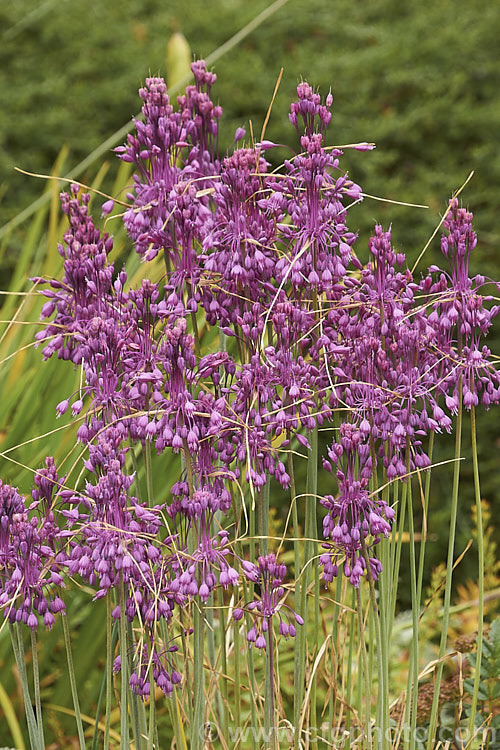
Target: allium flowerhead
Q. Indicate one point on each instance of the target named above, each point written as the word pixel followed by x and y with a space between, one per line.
pixel 309 108
pixel 239 253
pixel 356 518
pixel 87 283
pixel 198 572
pixel 117 535
pixel 458 243
pixel 173 151
pixel 152 666
pixel 314 189
pixel 11 508
pixel 31 558
pixel 464 313
pixel 269 575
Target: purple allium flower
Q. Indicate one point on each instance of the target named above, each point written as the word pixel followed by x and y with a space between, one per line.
pixel 173 153
pixel 391 374
pixel 12 506
pixel 269 575
pixel 197 572
pixel 117 536
pixel 86 284
pixel 271 259
pixel 460 309
pixel 315 115
pixel 31 555
pixel 148 661
pixel 355 514
pixel 239 254
pixel 202 121
pixel 458 244
pixel 317 239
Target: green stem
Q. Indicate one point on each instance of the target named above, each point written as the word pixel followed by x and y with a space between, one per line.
pixel 449 572
pixel 263 533
pixel 199 635
pixel 124 733
pixel 385 626
pixel 397 545
pixel 149 472
pixel 173 706
pixel 264 525
pixel 137 707
pixel 382 741
pixel 269 724
pixel 237 674
pixel 297 587
pixel 209 613
pixel 261 525
pixel 72 680
pixel 383 614
pixel 310 534
pixel 248 595
pixel 480 550
pixel 372 654
pixel 426 517
pixel 135 466
pixel 412 688
pixel 111 630
pixel 348 687
pixel 36 681
pixel 222 637
pixel 335 650
pixel 173 703
pixel 198 676
pixel 152 712
pixel 18 648
pixel 364 665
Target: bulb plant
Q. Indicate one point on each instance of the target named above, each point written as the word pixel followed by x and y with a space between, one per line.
pixel 265 332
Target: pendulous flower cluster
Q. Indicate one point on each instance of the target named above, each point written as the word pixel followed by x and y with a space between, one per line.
pixel 32 552
pixel 310 338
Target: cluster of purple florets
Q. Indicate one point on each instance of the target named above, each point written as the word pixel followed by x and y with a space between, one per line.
pixel 269 576
pixel 267 257
pixel 32 554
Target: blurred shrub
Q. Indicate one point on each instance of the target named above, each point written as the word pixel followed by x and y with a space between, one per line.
pixel 420 79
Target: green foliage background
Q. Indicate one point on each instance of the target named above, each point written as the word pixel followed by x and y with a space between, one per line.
pixel 419 79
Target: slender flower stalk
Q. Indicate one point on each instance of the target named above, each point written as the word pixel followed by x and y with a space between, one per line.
pixel 36 680
pixel 449 570
pixel 198 676
pixel 365 671
pixel 312 533
pixel 269 714
pixel 413 672
pixel 152 730
pixel 350 667
pixel 425 523
pixel 480 548
pixel 124 725
pixel 383 688
pixel 18 648
pixel 109 670
pixel 72 680
pixel 225 714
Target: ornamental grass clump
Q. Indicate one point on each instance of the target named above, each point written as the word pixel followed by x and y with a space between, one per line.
pixel 264 344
